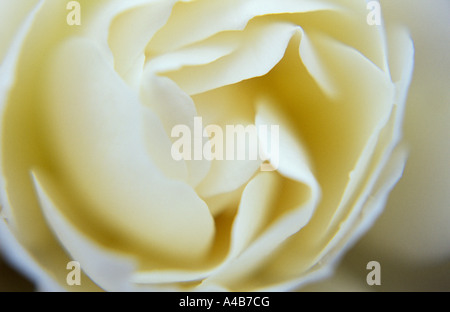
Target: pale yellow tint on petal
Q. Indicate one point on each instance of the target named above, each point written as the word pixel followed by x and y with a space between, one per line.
pixel 174 107
pixel 262 46
pixel 106 267
pixel 216 16
pixel 130 33
pixel 117 155
pixel 381 167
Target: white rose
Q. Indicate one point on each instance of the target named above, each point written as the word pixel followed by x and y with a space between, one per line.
pixel 87 113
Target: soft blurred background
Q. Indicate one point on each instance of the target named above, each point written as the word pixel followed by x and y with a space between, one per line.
pixel 411 239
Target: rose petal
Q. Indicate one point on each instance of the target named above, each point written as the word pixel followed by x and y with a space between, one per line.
pixel 7 73
pixel 258 229
pixel 19 257
pixel 254 210
pixel 227 106
pixel 218 16
pixel 413 232
pixel 384 171
pixel 104 141
pixel 98 24
pixel 297 201
pixel 15 17
pixel 199 53
pixel 130 33
pixel 279 275
pixel 107 268
pixel 262 46
pixel 174 107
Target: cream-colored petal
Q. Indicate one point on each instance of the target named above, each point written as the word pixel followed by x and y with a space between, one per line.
pixel 361 109
pixel 299 196
pixel 7 78
pixel 330 62
pixel 97 23
pixel 384 170
pixel 284 280
pixel 294 158
pixel 19 206
pixel 254 211
pixel 12 17
pixel 107 268
pixel 388 134
pixel 21 259
pixel 131 31
pixel 349 26
pixel 199 53
pixel 227 175
pixel 218 16
pixel 103 141
pixel 260 224
pixel 413 232
pixel 173 107
pixel 262 46
pixel 227 106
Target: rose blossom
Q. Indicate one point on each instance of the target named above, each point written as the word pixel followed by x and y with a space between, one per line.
pixel 87 173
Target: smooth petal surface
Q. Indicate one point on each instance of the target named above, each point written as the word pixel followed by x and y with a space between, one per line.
pixel 262 47
pixel 218 16
pixel 174 107
pixel 127 40
pixel 116 151
pixel 103 267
